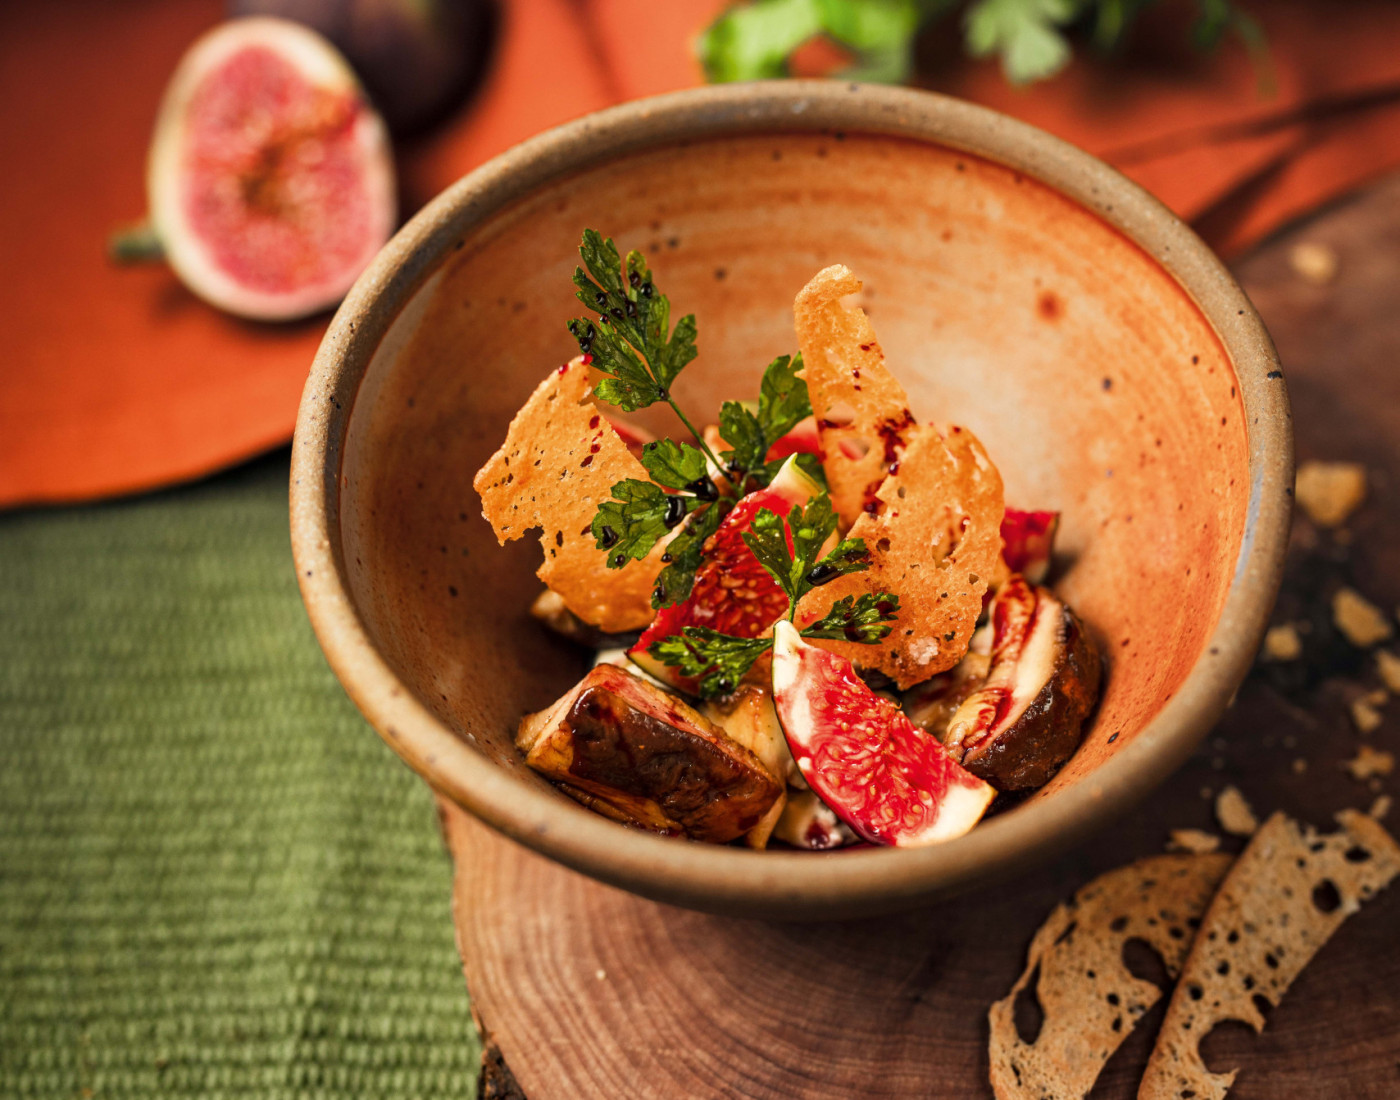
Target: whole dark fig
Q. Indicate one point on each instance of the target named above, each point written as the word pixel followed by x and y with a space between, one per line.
pixel 417 58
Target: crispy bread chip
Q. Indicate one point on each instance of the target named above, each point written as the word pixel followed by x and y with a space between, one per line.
pixel 862 412
pixel 1089 998
pixel 1284 897
pixel 934 540
pixel 560 460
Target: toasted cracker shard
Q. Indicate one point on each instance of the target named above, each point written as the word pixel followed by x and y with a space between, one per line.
pixel 1089 998
pixel 934 539
pixel 862 412
pixel 560 460
pixel 1287 893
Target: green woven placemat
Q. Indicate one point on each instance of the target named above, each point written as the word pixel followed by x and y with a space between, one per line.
pixel 214 879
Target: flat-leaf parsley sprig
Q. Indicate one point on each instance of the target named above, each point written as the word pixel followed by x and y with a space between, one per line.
pixel 633 345
pixel 632 341
pixel 790 551
pixel 782 402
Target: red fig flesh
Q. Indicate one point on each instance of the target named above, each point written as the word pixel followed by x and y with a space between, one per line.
pixel 733 593
pixel 1028 540
pixel 270 179
pixel 890 782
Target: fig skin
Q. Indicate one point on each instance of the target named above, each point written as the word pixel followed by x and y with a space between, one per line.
pixel 1049 730
pixel 417 58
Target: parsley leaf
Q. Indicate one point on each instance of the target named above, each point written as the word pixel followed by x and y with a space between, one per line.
pixel 674 582
pixel 678 466
pixel 632 341
pixel 864 620
pixel 788 549
pixel 782 402
pixel 637 517
pixel 782 397
pixel 758 39
pixel 754 41
pixel 1025 33
pixel 739 427
pixel 718 660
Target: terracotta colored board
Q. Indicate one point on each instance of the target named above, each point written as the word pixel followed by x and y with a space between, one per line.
pixel 592 992
pixel 114 379
pixel 118 379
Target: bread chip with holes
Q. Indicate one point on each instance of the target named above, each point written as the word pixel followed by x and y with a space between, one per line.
pixel 560 460
pixel 1089 998
pixel 1287 893
pixel 862 412
pixel 934 539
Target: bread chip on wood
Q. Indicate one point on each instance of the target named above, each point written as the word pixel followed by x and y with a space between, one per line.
pixel 560 460
pixel 1089 999
pixel 934 540
pixel 862 412
pixel 1287 893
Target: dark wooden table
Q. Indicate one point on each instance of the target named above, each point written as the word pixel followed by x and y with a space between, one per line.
pixel 590 992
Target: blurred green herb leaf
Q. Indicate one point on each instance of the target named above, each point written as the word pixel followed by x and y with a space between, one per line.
pixel 1031 38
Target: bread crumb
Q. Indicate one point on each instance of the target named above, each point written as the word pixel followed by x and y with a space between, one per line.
pixel 1369 763
pixel 1300 766
pixel 1196 841
pixel 1365 717
pixel 1206 793
pixel 1282 643
pixel 1380 807
pixel 1388 666
pixel 1234 813
pixel 1329 492
pixel 1316 263
pixel 1360 620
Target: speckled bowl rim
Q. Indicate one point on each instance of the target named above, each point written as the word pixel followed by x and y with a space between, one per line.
pixel 733 880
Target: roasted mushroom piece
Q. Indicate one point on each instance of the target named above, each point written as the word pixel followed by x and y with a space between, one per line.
pixel 1027 717
pixel 627 748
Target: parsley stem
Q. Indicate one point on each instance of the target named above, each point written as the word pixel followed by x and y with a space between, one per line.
pixel 698 437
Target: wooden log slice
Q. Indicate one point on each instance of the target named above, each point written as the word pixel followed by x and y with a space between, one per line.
pixel 590 992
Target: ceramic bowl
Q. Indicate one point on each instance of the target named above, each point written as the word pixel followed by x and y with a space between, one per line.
pixel 1019 286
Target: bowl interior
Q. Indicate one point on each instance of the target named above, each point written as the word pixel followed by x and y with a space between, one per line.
pixel 1097 384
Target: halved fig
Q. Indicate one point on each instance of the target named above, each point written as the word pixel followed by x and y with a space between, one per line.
pixel 653 760
pixel 809 823
pixel 1027 718
pixel 748 718
pixel 733 593
pixel 270 179
pixel 1028 540
pixel 890 782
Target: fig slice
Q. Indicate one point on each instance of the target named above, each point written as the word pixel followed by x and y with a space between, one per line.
pixel 732 593
pixel 1027 718
pixel 654 761
pixel 1028 540
pixel 890 782
pixel 270 179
